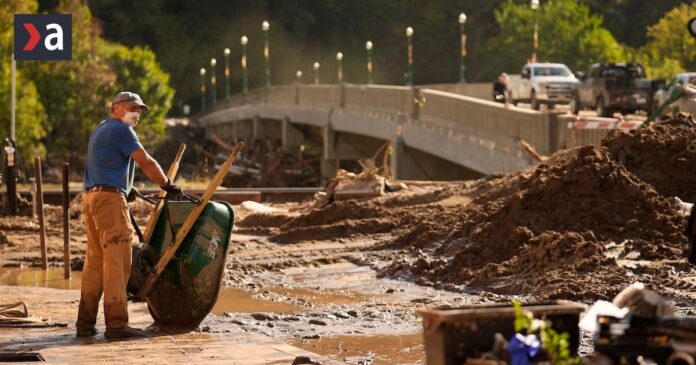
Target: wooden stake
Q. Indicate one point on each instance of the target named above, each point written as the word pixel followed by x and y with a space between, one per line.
pixel 40 211
pixel 171 174
pixel 66 221
pixel 189 222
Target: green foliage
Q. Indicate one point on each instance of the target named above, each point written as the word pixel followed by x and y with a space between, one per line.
pixel 60 102
pixel 555 344
pixel 670 48
pixel 568 34
pixel 30 112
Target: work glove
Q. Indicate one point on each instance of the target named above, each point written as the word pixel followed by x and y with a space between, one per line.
pixel 134 193
pixel 172 190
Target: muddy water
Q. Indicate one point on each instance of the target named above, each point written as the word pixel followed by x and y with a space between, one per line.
pixel 387 350
pixel 51 278
pixel 241 301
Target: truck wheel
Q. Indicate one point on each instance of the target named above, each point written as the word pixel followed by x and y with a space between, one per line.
pixel 575 105
pixel 534 101
pixel 602 110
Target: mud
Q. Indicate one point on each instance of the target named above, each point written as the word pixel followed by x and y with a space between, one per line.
pixel 663 155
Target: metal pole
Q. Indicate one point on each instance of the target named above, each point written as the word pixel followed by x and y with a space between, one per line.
pixel 202 88
pixel 462 59
pixel 66 221
pixel 316 73
pixel 13 97
pixel 213 87
pixel 227 73
pixel 409 76
pixel 368 47
pixel 245 81
pixel 39 203
pixel 266 52
pixel 339 58
pixel 10 152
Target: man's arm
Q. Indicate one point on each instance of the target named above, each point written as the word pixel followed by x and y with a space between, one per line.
pixel 150 166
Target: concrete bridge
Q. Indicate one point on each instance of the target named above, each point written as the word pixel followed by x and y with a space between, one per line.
pixel 434 134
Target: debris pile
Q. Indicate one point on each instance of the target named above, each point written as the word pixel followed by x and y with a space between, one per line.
pixel 514 234
pixel 663 154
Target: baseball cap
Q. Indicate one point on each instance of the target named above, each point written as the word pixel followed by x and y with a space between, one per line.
pixel 132 98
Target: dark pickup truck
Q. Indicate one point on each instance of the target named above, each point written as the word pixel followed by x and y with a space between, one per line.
pixel 612 87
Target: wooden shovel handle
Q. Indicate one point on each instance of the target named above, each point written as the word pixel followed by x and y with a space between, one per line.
pixel 171 175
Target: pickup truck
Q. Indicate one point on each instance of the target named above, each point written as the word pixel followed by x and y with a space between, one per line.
pixel 543 83
pixel 611 87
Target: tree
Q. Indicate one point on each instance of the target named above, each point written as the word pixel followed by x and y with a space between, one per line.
pixel 30 114
pixel 670 48
pixel 568 34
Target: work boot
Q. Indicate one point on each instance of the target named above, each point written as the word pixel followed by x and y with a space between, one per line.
pixel 86 332
pixel 125 332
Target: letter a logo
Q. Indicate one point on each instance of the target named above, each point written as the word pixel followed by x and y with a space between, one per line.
pixel 43 36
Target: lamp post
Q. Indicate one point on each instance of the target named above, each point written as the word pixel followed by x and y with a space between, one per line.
pixel 462 36
pixel 245 81
pixel 227 73
pixel 316 73
pixel 213 62
pixel 265 26
pixel 339 60
pixel 535 6
pixel 368 48
pixel 298 76
pixel 409 73
pixel 202 87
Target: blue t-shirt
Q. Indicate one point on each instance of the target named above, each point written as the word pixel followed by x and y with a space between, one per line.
pixel 108 156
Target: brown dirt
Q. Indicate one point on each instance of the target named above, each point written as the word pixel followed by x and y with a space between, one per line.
pixel 486 234
pixel 664 155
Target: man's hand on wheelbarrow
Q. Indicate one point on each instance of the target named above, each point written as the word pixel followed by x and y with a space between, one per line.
pixel 173 191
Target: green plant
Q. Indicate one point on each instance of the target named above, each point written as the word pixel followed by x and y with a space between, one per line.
pixel 554 344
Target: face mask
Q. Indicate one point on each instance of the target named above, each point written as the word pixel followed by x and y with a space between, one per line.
pixel 131 118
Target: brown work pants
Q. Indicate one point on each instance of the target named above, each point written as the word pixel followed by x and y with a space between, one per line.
pixel 108 262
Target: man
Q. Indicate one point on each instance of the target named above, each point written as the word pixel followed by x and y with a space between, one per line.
pixel 500 89
pixel 112 150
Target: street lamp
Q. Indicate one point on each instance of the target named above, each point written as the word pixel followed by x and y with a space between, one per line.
pixel 316 73
pixel 202 87
pixel 213 62
pixel 535 7
pixel 462 36
pixel 298 76
pixel 227 73
pixel 409 74
pixel 245 81
pixel 339 59
pixel 265 26
pixel 368 47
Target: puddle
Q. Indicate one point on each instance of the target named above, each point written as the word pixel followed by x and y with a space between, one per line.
pixel 241 301
pixel 387 350
pixel 51 278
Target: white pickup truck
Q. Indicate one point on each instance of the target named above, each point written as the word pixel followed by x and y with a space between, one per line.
pixel 543 83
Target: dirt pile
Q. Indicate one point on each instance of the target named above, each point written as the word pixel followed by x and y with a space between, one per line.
pixel 663 154
pixel 541 231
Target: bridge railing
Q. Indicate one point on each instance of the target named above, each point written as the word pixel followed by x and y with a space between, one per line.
pixel 379 98
pixel 471 114
pixel 462 114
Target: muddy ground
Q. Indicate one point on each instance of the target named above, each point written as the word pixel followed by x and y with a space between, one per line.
pixel 345 279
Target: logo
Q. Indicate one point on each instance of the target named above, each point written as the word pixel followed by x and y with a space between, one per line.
pixel 42 37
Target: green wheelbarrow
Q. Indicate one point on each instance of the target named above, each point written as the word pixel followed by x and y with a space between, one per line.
pixel 178 269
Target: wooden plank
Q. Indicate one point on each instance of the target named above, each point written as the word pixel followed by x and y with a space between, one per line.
pixel 189 222
pixel 171 175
